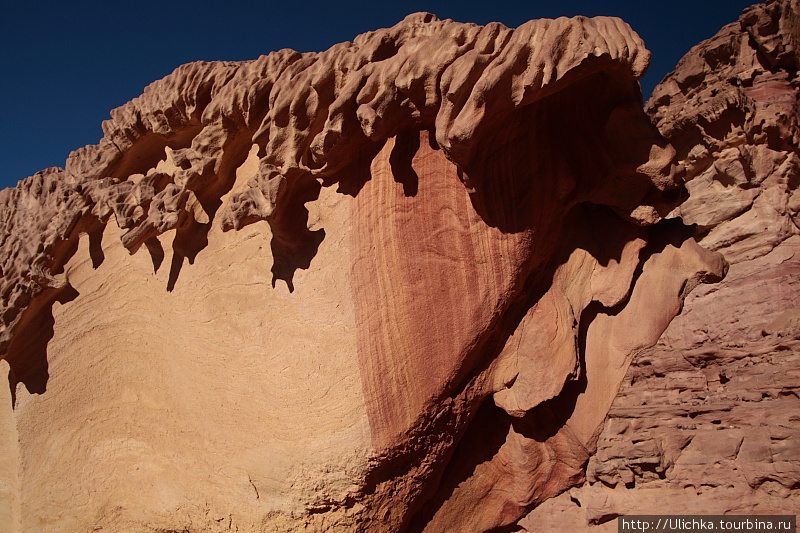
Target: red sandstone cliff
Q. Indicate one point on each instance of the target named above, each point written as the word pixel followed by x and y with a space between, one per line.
pixel 393 286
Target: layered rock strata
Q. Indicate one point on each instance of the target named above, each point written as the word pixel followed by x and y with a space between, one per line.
pixel 393 286
pixel 708 420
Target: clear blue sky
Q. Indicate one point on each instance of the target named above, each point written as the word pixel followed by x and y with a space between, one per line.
pixel 67 64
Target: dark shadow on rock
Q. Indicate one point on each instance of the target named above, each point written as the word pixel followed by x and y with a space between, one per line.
pixel 667 232
pixel 583 143
pixel 601 232
pixel 65 249
pixel 96 245
pixel 432 139
pixel 208 187
pixel 174 270
pixel 96 249
pixel 293 244
pixel 156 252
pixel 406 145
pixel 191 238
pixel 27 353
pixel 485 435
pixel 546 419
pixel 352 177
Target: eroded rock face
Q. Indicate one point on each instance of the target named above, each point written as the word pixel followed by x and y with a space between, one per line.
pixel 707 419
pixel 393 286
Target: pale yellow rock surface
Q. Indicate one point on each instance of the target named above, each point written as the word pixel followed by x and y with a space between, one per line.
pixel 271 373
pixel 9 460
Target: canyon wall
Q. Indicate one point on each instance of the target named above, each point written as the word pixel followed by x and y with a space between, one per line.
pixel 397 285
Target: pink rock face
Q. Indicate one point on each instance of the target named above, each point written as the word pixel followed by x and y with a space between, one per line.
pixel 467 248
pixel 706 420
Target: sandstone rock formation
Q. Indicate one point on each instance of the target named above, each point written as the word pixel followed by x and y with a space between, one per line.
pixel 393 286
pixel 708 420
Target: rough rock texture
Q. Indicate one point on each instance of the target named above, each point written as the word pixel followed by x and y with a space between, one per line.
pixel 393 286
pixel 708 420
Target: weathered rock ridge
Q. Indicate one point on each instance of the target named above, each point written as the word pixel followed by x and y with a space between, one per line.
pixel 392 286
